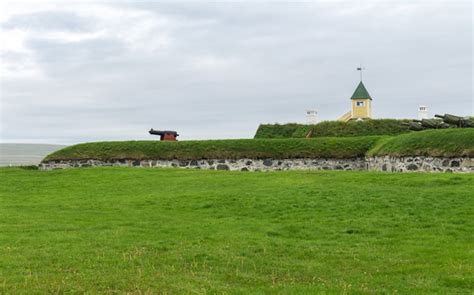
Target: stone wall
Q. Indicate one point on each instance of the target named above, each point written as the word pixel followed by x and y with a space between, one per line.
pixel 234 165
pixel 424 164
pixel 389 164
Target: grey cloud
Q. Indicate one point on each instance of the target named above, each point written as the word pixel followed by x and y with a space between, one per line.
pixel 60 56
pixel 50 21
pixel 229 67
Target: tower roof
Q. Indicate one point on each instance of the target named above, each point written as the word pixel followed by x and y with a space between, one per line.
pixel 361 92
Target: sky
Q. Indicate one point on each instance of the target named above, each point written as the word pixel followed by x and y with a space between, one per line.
pixel 77 71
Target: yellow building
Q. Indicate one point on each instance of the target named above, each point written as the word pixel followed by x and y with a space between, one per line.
pixel 361 105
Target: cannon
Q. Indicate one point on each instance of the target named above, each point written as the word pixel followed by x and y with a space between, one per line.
pixel 165 134
pixel 444 121
pixel 460 122
pixel 432 123
pixel 415 126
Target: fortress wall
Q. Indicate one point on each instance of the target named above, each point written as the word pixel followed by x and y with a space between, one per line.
pixel 423 164
pixel 388 164
pixel 220 164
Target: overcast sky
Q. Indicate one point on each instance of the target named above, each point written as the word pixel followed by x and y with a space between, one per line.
pixel 91 70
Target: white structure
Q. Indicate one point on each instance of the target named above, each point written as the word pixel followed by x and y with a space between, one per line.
pixel 311 117
pixel 423 112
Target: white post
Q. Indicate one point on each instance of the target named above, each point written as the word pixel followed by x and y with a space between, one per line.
pixel 311 117
pixel 423 112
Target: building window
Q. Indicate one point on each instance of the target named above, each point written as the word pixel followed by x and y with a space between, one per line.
pixel 360 103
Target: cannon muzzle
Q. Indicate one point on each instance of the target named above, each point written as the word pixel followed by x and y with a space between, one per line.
pixel 155 132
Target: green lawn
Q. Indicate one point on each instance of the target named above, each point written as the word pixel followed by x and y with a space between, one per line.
pixel 118 230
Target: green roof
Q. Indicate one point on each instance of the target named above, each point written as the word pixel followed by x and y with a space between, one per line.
pixel 361 92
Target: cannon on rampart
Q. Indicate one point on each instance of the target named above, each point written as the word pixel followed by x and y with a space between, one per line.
pixel 460 122
pixel 165 135
pixel 444 121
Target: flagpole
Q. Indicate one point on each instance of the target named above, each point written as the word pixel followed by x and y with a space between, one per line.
pixel 360 69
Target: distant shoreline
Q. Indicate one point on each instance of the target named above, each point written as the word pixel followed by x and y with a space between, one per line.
pixel 21 154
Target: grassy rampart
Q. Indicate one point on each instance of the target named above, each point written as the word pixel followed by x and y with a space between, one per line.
pixel 434 143
pixel 333 129
pixel 219 149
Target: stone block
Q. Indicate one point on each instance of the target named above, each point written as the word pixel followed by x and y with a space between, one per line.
pixel 267 162
pixel 222 167
pixel 455 163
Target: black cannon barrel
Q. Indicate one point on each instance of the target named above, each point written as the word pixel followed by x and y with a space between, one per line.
pixel 156 132
pixel 456 120
pixel 449 116
pixel 415 126
pixel 451 119
pixel 432 123
pixel 162 132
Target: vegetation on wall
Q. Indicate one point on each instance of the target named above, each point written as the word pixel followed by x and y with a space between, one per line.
pixel 219 149
pixel 334 129
pixel 434 143
pixel 276 130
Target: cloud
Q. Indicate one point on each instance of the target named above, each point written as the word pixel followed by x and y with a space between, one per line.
pixel 95 71
pixel 49 21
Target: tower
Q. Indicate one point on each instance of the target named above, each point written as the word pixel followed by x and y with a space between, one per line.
pixel 422 112
pixel 361 103
pixel 311 118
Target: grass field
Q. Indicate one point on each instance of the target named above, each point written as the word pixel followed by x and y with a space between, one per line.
pixel 118 230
